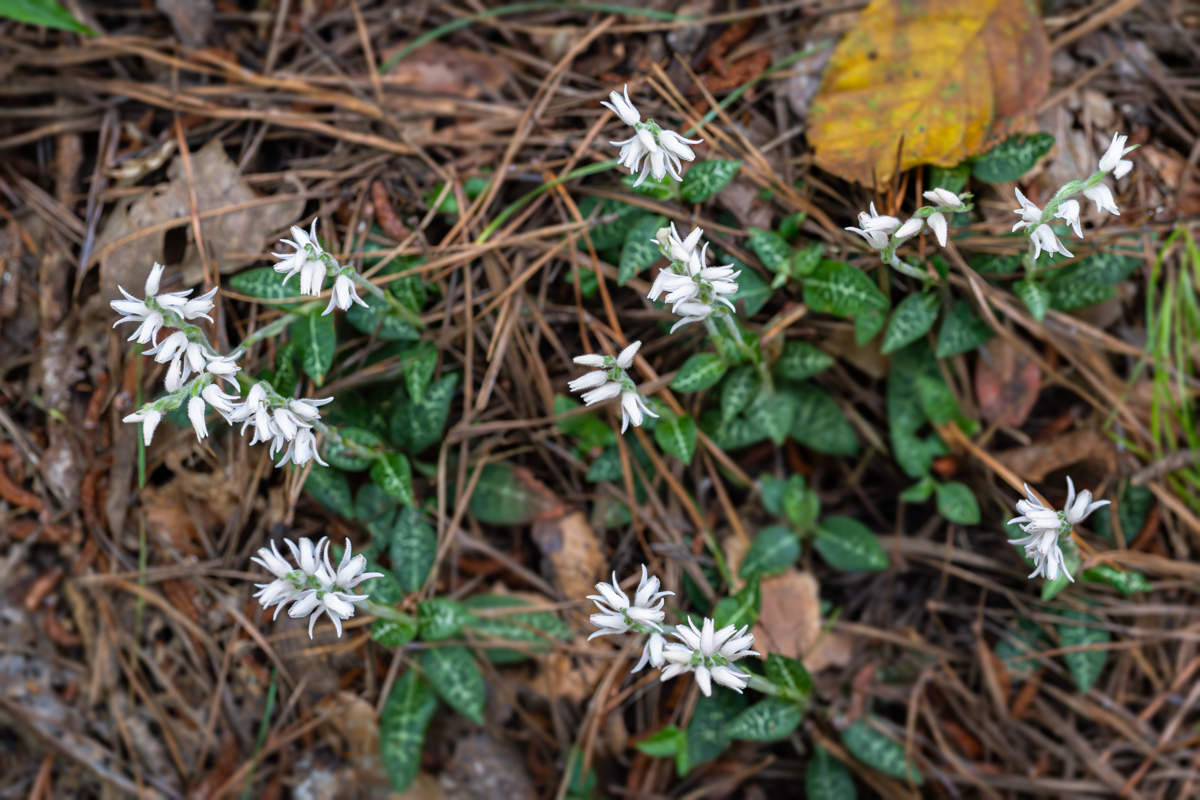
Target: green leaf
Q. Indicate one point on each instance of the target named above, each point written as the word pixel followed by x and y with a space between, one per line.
pixel 952 179
pixel 413 549
pixel 419 372
pixel 919 492
pixel 806 260
pixel 592 431
pixel 46 13
pixel 911 320
pixel 344 458
pixel 663 744
pixel 1085 666
pixel 868 324
pixel 442 618
pixel 1071 562
pixel 455 677
pixel 800 361
pixel 772 489
pixel 994 264
pixel 789 675
pixel 534 629
pixel 263 282
pixel 774 413
pixel 606 467
pixel 956 503
pixel 376 510
pixel 768 720
pixel 738 390
pixel 505 497
pixel 1012 158
pixel 734 435
pixel 772 551
pixel 1127 583
pixel 800 503
pixel 827 778
pixel 842 290
pixel 706 178
pixel 331 489
pixel 384 589
pixel 1035 296
pixel 1089 281
pixel 753 292
pixel 316 340
pixel 392 633
pixel 741 609
pixel 880 752
pixel 640 249
pixel 962 331
pixel 285 369
pixel 1132 507
pixel 772 250
pixel 677 436
pixel 819 422
pixel 611 233
pixel 666 189
pixel 392 473
pixel 936 400
pixel 381 320
pixel 706 737
pixel 410 290
pixel 700 371
pixel 845 543
pixel 406 715
pixel 416 424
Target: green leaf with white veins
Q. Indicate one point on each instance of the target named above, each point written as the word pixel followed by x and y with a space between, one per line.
pixel 346 459
pixel 772 250
pixel 265 283
pixel 316 340
pixel 700 371
pixel 800 503
pixel 827 778
pixel 880 752
pixel 753 292
pixel 789 675
pixel 842 290
pixel 800 361
pixel 956 503
pixel 773 550
pixel 456 678
pixel 640 248
pixel 1035 296
pixel 413 549
pixel 768 720
pixel 381 320
pixel 704 179
pixel 707 738
pixel 677 436
pixel 666 189
pixel 845 543
pixel 410 706
pixel 419 371
pixel 774 413
pixel 442 618
pixel 331 489
pixel 738 390
pixel 416 424
pixel 911 320
pixel 392 473
pixel 1085 665
pixel 819 422
pixel 962 331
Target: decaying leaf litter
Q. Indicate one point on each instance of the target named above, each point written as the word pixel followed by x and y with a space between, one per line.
pixel 864 537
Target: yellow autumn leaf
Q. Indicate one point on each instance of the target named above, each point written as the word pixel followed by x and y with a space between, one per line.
pixel 949 77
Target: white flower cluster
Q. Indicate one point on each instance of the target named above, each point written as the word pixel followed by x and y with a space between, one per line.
pixel 313 587
pixel 885 233
pixel 153 312
pixel 691 286
pixel 282 421
pixel 610 379
pixel 1045 526
pixel 661 149
pixel 1041 235
pixel 707 652
pixel 313 264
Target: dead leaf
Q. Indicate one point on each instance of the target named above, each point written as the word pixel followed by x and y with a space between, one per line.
pixel 355 721
pixel 217 185
pixel 789 623
pixel 1035 462
pixel 573 549
pixel 1006 384
pixel 562 675
pixel 485 769
pixel 191 19
pixel 950 78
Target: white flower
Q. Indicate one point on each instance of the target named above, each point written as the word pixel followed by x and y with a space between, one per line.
pixel 652 653
pixel 149 419
pixel 618 615
pixel 1045 525
pixel 691 286
pixel 1077 510
pixel 937 222
pixel 133 310
pixel 223 367
pixel 610 380
pixel 195 411
pixel 1030 214
pixel 661 150
pixel 185 357
pixel 219 400
pixel 1102 196
pixel 675 248
pixel 910 228
pixel 943 197
pixel 1044 239
pixel 306 260
pixel 709 654
pixel 344 293
pixel 333 597
pixel 301 449
pixel 691 312
pixel 878 240
pixel 632 409
pixel 197 307
pixel 306 408
pixel 1068 212
pixel 154 279
pixel 1111 160
pixel 875 228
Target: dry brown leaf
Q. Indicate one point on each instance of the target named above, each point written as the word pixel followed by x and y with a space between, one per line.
pixel 486 769
pixel 946 77
pixel 789 623
pixel 217 185
pixel 1035 462
pixel 574 551
pixel 355 721
pixel 1006 384
pixel 425 787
